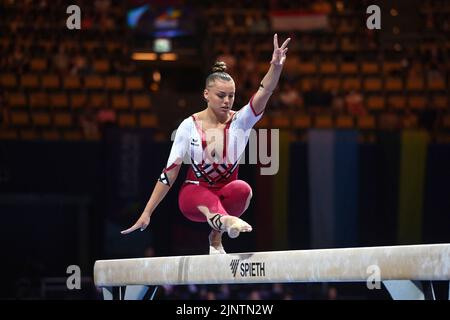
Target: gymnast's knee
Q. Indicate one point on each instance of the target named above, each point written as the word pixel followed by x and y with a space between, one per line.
pixel 243 188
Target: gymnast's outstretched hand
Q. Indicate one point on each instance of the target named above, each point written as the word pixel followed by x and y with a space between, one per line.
pixel 142 223
pixel 279 53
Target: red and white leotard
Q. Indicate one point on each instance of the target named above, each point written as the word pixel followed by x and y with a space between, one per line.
pixel 190 146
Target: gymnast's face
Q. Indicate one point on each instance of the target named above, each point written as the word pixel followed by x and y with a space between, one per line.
pixel 220 96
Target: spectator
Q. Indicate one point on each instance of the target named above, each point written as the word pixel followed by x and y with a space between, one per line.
pixel 89 125
pixel 18 61
pixel 354 103
pixel 289 96
pixel 338 103
pixel 106 116
pixel 61 60
pixel 80 65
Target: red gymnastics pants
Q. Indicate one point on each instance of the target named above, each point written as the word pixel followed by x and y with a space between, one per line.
pixel 231 199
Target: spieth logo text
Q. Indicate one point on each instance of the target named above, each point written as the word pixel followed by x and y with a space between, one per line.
pixel 248 269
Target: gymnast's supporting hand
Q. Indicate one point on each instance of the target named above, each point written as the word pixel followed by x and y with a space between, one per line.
pixel 141 224
pixel 159 192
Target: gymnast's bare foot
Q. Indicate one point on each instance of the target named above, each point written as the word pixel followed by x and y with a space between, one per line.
pixel 231 224
pixel 215 242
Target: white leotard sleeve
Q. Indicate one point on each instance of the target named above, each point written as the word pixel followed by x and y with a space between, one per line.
pixel 180 145
pixel 246 118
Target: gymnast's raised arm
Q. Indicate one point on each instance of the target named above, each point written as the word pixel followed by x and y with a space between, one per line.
pixel 270 80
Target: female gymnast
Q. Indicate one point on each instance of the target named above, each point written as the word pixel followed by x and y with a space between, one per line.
pixel 214 140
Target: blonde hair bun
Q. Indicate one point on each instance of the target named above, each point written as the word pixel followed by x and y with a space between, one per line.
pixel 219 66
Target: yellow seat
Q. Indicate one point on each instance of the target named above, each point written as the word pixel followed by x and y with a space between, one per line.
pixel 59 100
pixel 331 84
pixel 141 101
pixel 327 67
pixel 437 83
pixel 120 101
pixel 446 121
pixel 127 120
pixel 39 100
pixel 417 102
pixel 29 134
pixel 51 135
pixel 397 102
pixel 281 122
pixel 344 122
pixel 389 66
pixel 41 119
pixel 306 84
pixel 370 68
pixel 50 81
pixel 134 83
pixel 113 83
pixel 63 119
pixel 373 84
pixel 440 102
pixel 98 100
pixel 17 100
pixel 148 120
pixel 20 118
pixel 394 84
pixel 323 121
pixel 307 67
pixel 366 122
pixel 38 64
pixel 8 80
pixel 71 82
pixel 29 81
pixel 414 83
pixel 375 103
pixel 93 82
pixel 349 68
pixel 352 83
pixel 8 134
pixel 302 121
pixel 72 135
pixel 101 65
pixel 78 100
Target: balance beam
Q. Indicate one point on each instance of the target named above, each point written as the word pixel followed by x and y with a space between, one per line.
pixel 413 262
